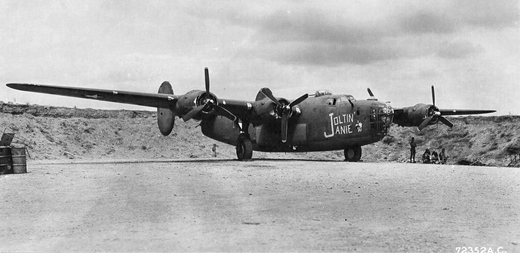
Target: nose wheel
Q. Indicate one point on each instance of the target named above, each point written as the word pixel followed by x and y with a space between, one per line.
pixel 352 154
pixel 244 148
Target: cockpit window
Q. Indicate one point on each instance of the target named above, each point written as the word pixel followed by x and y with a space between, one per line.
pixel 340 99
pixel 320 93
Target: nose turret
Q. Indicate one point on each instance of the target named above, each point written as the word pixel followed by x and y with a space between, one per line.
pixel 387 114
pixel 381 116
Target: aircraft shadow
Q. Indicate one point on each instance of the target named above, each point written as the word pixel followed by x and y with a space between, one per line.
pixel 199 160
pixel 296 160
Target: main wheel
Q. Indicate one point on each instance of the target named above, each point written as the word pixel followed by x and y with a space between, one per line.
pixel 244 148
pixel 358 152
pixel 352 154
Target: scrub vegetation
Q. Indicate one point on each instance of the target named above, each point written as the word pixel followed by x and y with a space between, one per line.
pixel 57 133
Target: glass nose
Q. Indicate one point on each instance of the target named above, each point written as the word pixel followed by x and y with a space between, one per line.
pixel 388 114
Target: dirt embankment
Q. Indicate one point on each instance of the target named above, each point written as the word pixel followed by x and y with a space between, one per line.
pixel 55 133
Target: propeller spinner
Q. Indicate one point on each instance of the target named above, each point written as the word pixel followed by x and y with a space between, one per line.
pixel 283 110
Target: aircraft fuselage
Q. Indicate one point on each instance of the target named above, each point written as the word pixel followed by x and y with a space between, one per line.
pixel 329 122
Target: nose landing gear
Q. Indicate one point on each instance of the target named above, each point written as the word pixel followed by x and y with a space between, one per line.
pixel 352 154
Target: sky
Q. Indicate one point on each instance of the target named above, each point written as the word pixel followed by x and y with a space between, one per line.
pixel 468 49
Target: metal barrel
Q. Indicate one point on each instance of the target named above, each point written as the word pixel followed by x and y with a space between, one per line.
pixel 19 160
pixel 6 162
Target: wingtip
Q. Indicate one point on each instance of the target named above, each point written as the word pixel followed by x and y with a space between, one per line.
pixel 14 85
pixel 488 111
pixel 17 86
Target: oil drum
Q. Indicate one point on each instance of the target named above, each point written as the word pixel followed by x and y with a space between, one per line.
pixel 19 160
pixel 5 160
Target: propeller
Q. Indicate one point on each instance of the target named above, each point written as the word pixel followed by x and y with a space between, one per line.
pixel 435 114
pixel 210 103
pixel 268 93
pixel 206 75
pixel 433 95
pixel 283 110
pixel 372 97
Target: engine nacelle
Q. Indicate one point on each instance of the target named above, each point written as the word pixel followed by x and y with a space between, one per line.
pixel 415 115
pixel 194 99
pixel 165 116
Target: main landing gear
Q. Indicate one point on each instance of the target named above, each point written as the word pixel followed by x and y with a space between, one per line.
pixel 353 154
pixel 244 147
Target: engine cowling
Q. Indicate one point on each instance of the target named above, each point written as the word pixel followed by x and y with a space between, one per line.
pixel 165 116
pixel 196 104
pixel 415 115
pixel 279 108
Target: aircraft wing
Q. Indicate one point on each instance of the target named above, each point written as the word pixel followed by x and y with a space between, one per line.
pixel 399 111
pixel 422 115
pixel 241 109
pixel 126 97
pixel 463 112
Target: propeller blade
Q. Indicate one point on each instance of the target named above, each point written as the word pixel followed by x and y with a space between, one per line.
pixel 433 95
pixel 425 123
pixel 193 112
pixel 206 74
pixel 298 100
pixel 372 97
pixel 267 92
pixel 370 92
pixel 224 112
pixel 445 121
pixel 285 119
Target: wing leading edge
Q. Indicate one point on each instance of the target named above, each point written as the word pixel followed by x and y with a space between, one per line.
pixel 126 97
pixel 464 112
pixel 181 104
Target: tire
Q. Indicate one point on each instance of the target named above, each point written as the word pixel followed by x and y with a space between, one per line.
pixel 358 154
pixel 244 148
pixel 352 154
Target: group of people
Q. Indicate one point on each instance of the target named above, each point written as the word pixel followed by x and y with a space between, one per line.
pixel 434 157
pixel 428 157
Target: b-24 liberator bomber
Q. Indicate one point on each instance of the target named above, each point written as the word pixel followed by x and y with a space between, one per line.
pixel 318 122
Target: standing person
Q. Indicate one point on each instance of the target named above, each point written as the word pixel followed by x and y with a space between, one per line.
pixel 214 149
pixel 412 150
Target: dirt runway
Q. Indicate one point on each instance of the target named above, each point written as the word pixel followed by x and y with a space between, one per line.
pixel 262 205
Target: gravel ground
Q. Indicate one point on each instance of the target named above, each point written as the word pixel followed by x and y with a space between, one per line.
pixel 262 205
